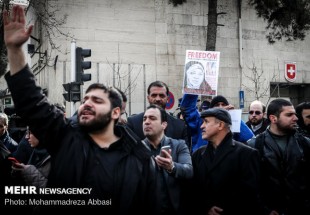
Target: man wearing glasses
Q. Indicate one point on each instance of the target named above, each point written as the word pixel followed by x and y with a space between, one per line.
pixel 257 121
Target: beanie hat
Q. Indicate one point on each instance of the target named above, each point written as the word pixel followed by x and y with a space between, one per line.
pixel 218 99
pixel 219 113
pixel 204 105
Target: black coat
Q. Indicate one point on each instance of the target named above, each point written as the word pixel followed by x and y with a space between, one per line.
pixel 135 181
pixel 230 181
pixel 265 124
pixel 285 181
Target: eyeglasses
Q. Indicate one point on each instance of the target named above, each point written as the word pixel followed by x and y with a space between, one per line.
pixel 256 112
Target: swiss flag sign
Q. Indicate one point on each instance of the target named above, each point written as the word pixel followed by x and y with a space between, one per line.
pixel 290 71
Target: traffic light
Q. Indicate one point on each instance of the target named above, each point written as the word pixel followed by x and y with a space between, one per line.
pixel 81 64
pixel 67 95
pixel 73 92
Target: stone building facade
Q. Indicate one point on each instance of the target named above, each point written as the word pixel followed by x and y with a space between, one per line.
pixel 135 42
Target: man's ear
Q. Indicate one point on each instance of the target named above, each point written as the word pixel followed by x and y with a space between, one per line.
pixel 272 118
pixel 221 125
pixel 164 125
pixel 116 113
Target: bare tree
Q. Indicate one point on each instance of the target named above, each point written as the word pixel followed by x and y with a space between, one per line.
pixel 49 20
pixel 3 53
pixel 120 76
pixel 259 85
pixel 49 23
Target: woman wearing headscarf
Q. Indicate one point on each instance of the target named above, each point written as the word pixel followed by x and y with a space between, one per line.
pixel 36 171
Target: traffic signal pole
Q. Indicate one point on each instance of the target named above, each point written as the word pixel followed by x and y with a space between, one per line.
pixel 73 89
pixel 73 68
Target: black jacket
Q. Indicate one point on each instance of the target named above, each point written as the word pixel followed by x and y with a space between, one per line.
pixel 285 181
pixel 135 181
pixel 265 124
pixel 230 181
pixel 9 142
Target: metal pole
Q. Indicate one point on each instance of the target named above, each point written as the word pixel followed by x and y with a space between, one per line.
pixel 129 88
pixel 73 67
pixel 144 87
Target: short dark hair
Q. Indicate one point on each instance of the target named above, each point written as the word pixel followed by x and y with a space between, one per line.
pixel 114 96
pixel 163 113
pixel 158 84
pixel 299 108
pixel 276 107
pixel 124 97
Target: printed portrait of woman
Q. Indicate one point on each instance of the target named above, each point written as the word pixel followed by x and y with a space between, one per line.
pixel 194 79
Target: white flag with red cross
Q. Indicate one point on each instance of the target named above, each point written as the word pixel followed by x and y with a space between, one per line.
pixel 290 71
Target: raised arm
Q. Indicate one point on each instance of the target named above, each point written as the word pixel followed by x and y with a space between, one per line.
pixel 15 35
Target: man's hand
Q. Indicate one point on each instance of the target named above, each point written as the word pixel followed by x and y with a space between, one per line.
pixel 215 211
pixel 15 35
pixel 19 166
pixel 274 213
pixel 15 32
pixel 229 107
pixel 165 161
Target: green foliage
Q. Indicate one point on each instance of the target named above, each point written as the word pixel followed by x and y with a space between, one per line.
pixel 289 19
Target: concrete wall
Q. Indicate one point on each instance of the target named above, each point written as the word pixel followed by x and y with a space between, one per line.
pixel 148 39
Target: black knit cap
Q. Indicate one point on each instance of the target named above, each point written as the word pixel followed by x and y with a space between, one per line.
pixel 219 113
pixel 218 99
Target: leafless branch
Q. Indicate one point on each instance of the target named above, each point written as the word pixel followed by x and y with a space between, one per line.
pixel 120 77
pixel 257 78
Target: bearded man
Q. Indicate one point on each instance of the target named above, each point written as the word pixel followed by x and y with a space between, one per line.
pixel 257 117
pixel 104 161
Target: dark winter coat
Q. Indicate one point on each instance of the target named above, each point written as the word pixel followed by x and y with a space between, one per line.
pixel 135 180
pixel 285 181
pixel 230 181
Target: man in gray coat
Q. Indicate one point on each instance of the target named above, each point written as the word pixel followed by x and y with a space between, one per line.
pixel 175 165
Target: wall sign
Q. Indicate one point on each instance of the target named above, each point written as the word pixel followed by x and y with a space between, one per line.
pixel 290 71
pixel 170 101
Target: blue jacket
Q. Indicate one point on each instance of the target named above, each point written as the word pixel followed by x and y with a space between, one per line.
pixel 193 120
